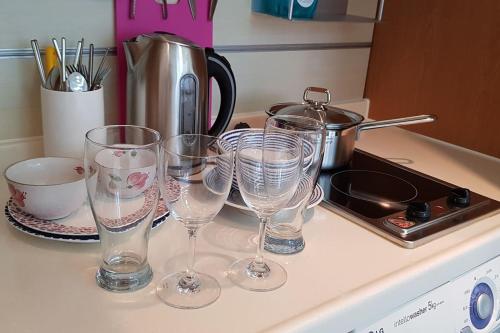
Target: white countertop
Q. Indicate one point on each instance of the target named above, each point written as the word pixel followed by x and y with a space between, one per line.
pixel 346 278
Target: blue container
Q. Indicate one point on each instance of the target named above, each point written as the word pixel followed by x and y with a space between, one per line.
pixel 291 9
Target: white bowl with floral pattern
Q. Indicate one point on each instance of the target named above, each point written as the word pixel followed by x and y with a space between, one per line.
pixel 48 188
pixel 126 172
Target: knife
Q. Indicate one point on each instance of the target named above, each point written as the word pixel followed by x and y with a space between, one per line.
pixel 38 59
pixel 211 11
pixel 192 6
pixel 164 9
pixel 131 9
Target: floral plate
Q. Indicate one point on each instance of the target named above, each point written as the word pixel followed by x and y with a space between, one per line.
pixel 78 227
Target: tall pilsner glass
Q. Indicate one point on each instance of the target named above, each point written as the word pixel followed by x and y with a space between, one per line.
pixel 268 171
pixel 121 174
pixel 197 176
pixel 284 234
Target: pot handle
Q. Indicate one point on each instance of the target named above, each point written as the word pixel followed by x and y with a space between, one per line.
pixel 425 118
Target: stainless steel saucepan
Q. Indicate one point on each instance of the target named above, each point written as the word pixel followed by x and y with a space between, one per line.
pixel 343 126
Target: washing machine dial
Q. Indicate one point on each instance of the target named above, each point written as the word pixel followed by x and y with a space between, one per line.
pixel 481 305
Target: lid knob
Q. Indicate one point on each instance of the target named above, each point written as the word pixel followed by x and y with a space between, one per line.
pixel 317 104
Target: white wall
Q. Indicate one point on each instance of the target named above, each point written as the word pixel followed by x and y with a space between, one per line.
pixel 21 21
pixel 262 78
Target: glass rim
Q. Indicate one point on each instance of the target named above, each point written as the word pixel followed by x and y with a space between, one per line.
pixel 229 151
pixel 157 134
pixel 314 125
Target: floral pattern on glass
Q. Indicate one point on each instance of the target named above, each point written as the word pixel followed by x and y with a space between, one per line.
pixel 137 180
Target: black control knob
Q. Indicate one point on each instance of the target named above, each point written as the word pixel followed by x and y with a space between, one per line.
pixel 241 125
pixel 419 211
pixel 459 197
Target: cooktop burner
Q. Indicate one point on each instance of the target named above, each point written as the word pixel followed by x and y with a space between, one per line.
pixel 398 203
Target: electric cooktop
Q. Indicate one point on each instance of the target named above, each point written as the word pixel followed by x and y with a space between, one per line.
pixel 398 203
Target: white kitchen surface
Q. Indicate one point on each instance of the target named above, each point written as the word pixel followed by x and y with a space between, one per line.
pixel 346 278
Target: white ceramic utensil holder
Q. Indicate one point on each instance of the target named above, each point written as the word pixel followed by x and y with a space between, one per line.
pixel 66 117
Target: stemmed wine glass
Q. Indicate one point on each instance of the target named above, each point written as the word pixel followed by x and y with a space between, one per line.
pixel 267 170
pixel 284 235
pixel 195 183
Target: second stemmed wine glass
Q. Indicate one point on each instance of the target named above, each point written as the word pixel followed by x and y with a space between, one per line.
pixel 268 168
pixel 195 183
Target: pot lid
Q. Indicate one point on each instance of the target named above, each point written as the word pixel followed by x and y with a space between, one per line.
pixel 333 117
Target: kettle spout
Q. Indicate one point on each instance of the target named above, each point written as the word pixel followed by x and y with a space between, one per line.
pixel 134 49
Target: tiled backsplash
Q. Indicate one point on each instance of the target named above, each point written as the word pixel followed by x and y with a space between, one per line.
pixel 262 78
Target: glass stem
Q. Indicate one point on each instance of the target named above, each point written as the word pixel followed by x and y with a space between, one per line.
pixel 259 258
pixel 190 273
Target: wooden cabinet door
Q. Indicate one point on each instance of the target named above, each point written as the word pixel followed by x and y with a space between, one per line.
pixel 440 57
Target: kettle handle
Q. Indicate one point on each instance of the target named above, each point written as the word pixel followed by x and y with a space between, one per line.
pixel 220 70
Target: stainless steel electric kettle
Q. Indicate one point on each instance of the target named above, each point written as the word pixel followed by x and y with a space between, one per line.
pixel 168 85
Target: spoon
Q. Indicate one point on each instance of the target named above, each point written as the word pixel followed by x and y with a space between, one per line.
pixel 76 82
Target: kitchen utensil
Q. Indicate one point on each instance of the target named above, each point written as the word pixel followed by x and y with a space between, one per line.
pixel 343 126
pixel 78 227
pixel 81 52
pixel 38 59
pixel 285 236
pixel 91 64
pixel 164 9
pixel 77 53
pixel 52 78
pixel 48 188
pixel 124 266
pixel 76 82
pixel 50 59
pixel 192 8
pixel 211 10
pixel 131 9
pixel 59 58
pixel 196 178
pixel 168 85
pixel 84 71
pixel 71 69
pixel 98 74
pixel 268 168
pixel 98 80
pixel 64 86
pixel 58 51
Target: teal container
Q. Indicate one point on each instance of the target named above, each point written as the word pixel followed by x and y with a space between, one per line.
pixel 300 9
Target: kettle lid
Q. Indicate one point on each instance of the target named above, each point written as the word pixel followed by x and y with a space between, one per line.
pixel 166 37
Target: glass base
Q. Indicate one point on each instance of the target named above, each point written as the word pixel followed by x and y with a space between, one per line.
pixel 246 274
pixel 278 245
pixel 283 238
pixel 124 282
pixel 180 292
